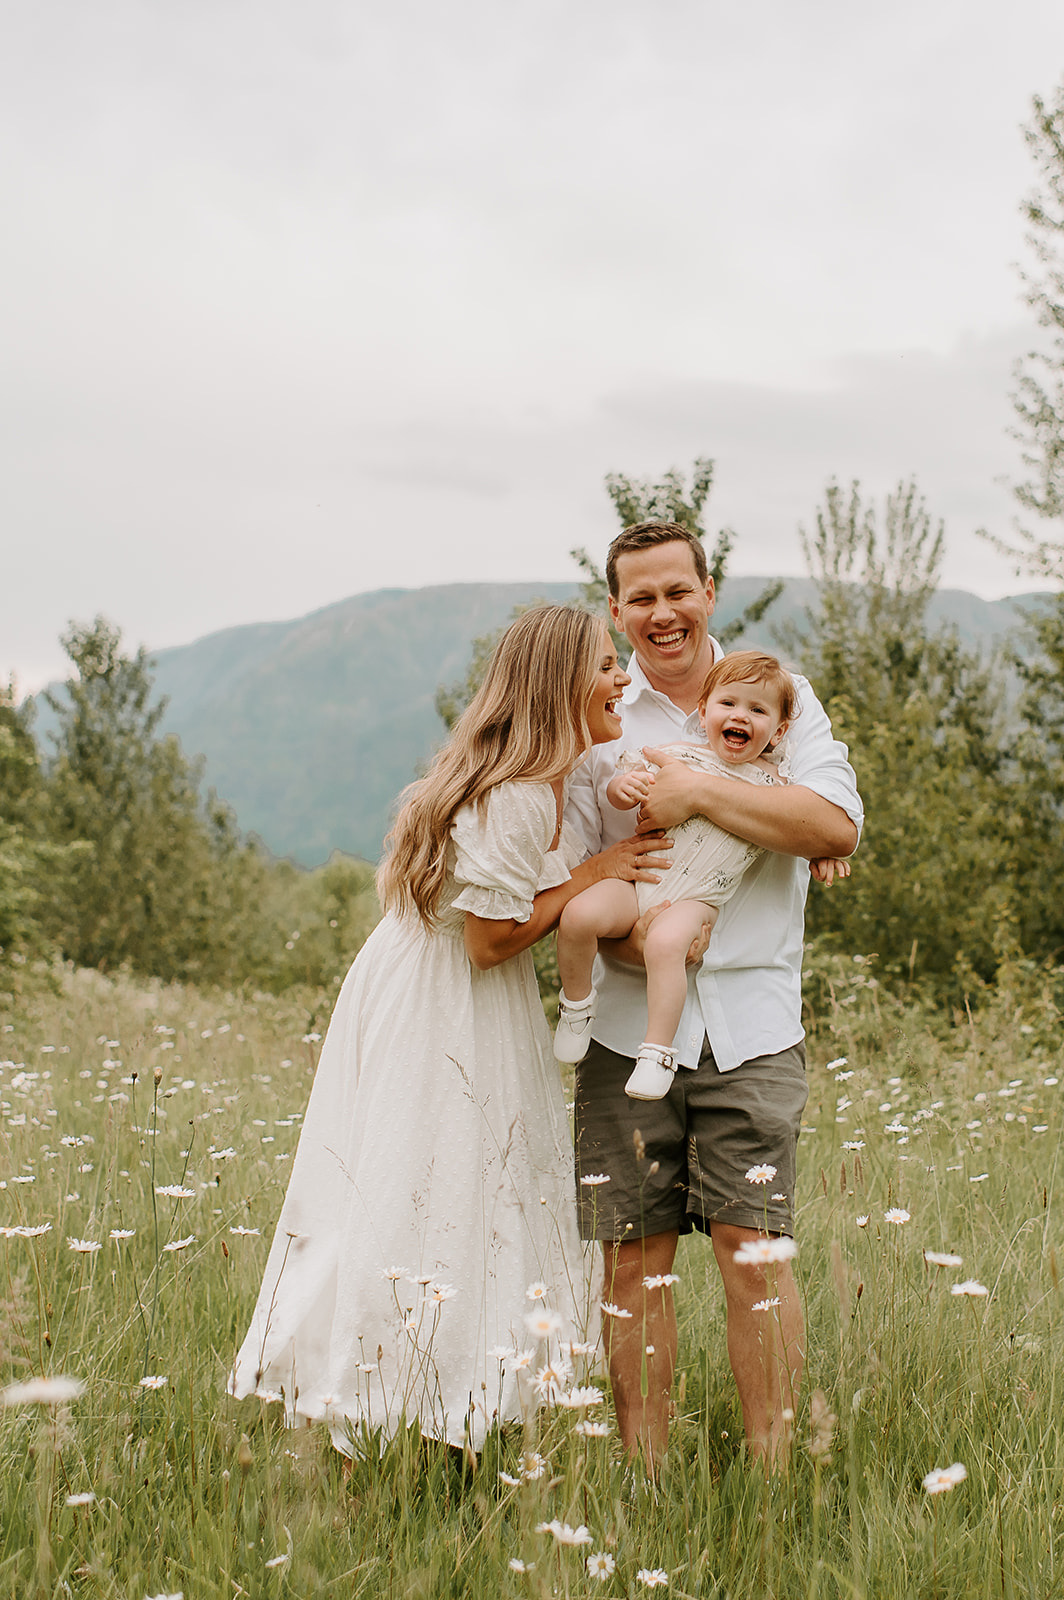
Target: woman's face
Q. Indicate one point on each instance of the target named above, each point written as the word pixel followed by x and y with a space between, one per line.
pixel 603 722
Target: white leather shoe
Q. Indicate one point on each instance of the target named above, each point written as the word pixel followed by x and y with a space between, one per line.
pixel 572 1036
pixel 654 1072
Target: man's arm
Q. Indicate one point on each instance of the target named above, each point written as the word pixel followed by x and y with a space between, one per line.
pixel 787 818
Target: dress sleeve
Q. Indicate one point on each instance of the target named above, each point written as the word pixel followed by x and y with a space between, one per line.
pixel 500 849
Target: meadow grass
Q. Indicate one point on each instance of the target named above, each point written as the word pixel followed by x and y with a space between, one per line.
pixel 111 1091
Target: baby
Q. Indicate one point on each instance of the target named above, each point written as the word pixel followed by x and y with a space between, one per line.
pixel 746 704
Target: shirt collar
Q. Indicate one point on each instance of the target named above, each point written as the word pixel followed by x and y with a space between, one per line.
pixel 641 685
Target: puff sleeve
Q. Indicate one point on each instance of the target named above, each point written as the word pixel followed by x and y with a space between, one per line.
pixel 501 851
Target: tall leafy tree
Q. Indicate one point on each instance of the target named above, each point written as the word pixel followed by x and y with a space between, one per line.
pixel 161 881
pixel 934 875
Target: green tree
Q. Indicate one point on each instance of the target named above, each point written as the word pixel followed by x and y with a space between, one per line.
pixel 27 857
pixel 934 877
pixel 162 881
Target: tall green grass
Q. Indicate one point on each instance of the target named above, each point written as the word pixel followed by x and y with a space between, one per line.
pixel 958 1125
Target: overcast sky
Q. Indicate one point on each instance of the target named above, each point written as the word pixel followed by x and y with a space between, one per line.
pixel 309 297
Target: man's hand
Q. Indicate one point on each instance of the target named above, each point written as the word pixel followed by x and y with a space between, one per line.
pixel 671 799
pixel 630 951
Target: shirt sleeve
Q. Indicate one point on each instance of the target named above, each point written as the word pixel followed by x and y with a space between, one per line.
pixel 819 761
pixel 500 849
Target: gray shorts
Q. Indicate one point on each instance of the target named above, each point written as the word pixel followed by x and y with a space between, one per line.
pixel 681 1163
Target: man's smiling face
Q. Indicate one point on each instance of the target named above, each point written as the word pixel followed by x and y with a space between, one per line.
pixel 663 611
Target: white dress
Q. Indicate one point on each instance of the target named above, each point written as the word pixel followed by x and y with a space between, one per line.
pixel 433 1184
pixel 705 862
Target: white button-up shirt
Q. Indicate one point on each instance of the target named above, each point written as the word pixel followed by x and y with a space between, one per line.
pixel 747 993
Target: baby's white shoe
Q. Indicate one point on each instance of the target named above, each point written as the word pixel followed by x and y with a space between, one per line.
pixel 572 1036
pixel 654 1072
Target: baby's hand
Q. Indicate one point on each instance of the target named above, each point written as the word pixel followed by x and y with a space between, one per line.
pixel 827 868
pixel 628 789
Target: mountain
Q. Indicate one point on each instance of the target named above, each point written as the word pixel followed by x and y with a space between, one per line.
pixel 310 728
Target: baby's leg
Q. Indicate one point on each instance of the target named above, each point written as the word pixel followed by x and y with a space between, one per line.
pixel 669 938
pixel 607 910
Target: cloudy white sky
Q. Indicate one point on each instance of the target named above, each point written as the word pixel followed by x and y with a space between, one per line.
pixel 310 297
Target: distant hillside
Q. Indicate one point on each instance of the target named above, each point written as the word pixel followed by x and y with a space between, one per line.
pixel 311 727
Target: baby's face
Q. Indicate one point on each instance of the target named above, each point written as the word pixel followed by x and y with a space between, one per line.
pixel 741 720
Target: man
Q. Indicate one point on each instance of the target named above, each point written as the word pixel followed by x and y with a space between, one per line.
pixel 736 1103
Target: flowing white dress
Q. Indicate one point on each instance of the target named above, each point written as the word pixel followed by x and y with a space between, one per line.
pixel 433 1184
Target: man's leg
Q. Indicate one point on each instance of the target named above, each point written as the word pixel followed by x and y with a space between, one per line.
pixel 641 1347
pixel 766 1348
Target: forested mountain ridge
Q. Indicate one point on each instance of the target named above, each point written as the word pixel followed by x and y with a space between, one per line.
pixel 310 727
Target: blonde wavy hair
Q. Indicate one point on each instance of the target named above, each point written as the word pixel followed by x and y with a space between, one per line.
pixel 528 720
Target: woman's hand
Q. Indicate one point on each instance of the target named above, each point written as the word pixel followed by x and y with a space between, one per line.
pixel 636 860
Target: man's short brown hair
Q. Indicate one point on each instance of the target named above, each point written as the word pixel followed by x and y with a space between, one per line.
pixel 644 536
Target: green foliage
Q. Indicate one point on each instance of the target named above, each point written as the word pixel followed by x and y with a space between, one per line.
pixel 164 882
pixel 1038 399
pixel 934 877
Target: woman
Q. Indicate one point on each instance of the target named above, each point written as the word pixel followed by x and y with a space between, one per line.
pixel 433 1185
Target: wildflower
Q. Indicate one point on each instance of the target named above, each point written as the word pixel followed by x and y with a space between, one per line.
pixel 543 1323
pixel 592 1430
pixel 840 1061
pixel 763 1173
pixel 898 1215
pixel 175 1191
pixel 536 1291
pixel 533 1466
pixel 600 1565
pixel 563 1533
pixel 516 1564
pixel 663 1280
pixel 278 1561
pixel 655 1577
pixel 945 1478
pixel 85 1247
pixel 610 1310
pixel 853 1144
pixel 574 1347
pixel 21 1231
pixel 180 1244
pixel 179 1595
pixel 422 1280
pixel 579 1399
pixel 765 1305
pixel 508 1477
pixel 244 1232
pixel 71 1140
pixel 757 1252
pixel 311 1038
pixel 154 1380
pixel 862 1222
pixel 42 1392
pixel 223 1155
pixel 980 1178
pixel 941 1258
pixel 969 1287
pixel 593 1179
pixel 437 1293
pixel 392 1273
pixel 501 1352
pixel 520 1360
pixel 121 1233
pixel 86 1498
pixel 550 1381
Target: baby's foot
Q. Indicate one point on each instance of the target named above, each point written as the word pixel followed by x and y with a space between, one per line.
pixel 573 1034
pixel 654 1072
